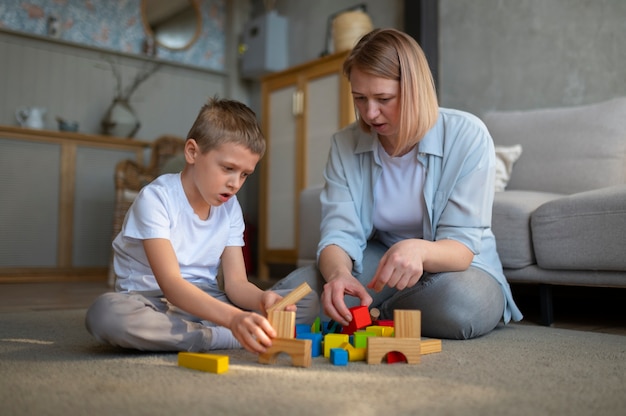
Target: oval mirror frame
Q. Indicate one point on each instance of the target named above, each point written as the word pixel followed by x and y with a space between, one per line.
pixel 168 38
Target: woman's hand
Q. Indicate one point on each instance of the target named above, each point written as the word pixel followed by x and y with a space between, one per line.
pixel 253 331
pixel 333 297
pixel 401 266
pixel 406 261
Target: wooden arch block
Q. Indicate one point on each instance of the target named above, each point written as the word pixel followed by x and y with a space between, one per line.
pixel 378 347
pixel 298 349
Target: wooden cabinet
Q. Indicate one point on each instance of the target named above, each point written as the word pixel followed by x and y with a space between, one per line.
pixel 57 204
pixel 301 109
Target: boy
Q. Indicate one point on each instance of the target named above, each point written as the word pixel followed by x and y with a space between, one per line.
pixel 180 229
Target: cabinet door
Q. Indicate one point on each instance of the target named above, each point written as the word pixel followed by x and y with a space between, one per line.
pixel 322 121
pixel 94 205
pixel 29 212
pixel 302 108
pixel 281 177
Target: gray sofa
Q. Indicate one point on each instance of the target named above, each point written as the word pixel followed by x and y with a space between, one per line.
pixel 561 219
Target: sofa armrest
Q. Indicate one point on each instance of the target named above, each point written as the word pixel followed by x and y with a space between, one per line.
pixel 583 231
pixel 510 224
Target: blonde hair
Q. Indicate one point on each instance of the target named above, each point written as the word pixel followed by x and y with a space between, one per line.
pixel 227 121
pixel 392 54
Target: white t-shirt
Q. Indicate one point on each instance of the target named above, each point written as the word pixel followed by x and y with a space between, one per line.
pixel 161 210
pixel 398 199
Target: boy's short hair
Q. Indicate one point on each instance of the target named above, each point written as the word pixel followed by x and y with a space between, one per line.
pixel 227 121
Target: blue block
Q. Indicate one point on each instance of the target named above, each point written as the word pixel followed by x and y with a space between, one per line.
pixel 303 329
pixel 331 327
pixel 338 356
pixel 316 342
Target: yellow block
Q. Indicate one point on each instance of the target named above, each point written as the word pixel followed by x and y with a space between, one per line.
pixel 354 354
pixel 211 363
pixel 381 331
pixel 334 341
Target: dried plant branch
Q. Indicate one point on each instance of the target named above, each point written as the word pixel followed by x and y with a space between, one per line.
pixel 140 77
pixel 124 94
pixel 118 78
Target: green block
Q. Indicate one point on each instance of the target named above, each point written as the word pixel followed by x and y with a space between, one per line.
pixel 360 338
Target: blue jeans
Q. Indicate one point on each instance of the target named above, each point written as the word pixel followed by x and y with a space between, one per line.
pixel 453 305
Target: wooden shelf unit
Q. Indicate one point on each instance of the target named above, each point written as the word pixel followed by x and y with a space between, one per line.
pixel 47 176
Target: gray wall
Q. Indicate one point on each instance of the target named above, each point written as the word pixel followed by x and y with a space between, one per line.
pixel 308 22
pixel 522 54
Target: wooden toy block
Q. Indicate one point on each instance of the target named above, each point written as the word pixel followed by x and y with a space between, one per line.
pixel 360 338
pixel 316 326
pixel 303 329
pixel 395 357
pixel 381 331
pixel 407 323
pixel 292 298
pixel 338 356
pixel 384 322
pixel 298 349
pixel 354 354
pixel 284 322
pixel 378 347
pixel 333 341
pixel 374 314
pixel 429 346
pixel 360 319
pixel 316 342
pixel 331 327
pixel 211 363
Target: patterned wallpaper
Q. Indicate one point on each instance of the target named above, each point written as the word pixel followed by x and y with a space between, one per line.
pixel 115 25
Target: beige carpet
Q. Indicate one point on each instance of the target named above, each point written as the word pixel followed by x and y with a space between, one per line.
pixel 49 365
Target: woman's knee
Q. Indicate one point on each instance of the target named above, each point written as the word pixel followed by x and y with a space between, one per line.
pixel 309 305
pixel 455 305
pixel 308 274
pixel 475 306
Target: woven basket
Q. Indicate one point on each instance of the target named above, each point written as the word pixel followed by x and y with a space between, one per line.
pixel 348 28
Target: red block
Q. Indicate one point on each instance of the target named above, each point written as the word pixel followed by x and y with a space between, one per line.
pixel 395 357
pixel 360 319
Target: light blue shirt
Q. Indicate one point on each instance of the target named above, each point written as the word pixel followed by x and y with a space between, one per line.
pixel 459 159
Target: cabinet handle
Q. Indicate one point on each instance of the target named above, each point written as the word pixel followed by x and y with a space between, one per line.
pixel 297 105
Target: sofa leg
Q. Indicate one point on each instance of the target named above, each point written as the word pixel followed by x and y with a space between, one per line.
pixel 545 300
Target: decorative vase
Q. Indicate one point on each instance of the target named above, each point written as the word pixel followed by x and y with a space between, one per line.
pixel 120 120
pixel 348 27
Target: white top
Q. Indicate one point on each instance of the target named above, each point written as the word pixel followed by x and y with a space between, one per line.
pixel 398 206
pixel 161 210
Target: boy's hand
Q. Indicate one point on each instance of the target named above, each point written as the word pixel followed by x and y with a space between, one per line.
pixel 253 331
pixel 269 298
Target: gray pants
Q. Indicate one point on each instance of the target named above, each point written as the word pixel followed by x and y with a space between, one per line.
pixel 148 322
pixel 453 305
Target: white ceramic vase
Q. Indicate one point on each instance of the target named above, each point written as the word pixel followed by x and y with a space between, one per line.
pixel 120 120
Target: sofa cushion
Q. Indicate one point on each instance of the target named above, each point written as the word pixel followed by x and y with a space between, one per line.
pixel 511 225
pixel 506 156
pixel 585 231
pixel 566 150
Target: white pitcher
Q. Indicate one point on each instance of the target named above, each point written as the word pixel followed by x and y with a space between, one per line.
pixel 31 117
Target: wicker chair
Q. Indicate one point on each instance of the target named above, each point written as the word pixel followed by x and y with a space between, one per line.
pixel 130 177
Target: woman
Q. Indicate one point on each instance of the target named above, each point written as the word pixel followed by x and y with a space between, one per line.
pixel 406 209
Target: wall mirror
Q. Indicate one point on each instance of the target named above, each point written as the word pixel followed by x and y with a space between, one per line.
pixel 173 24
